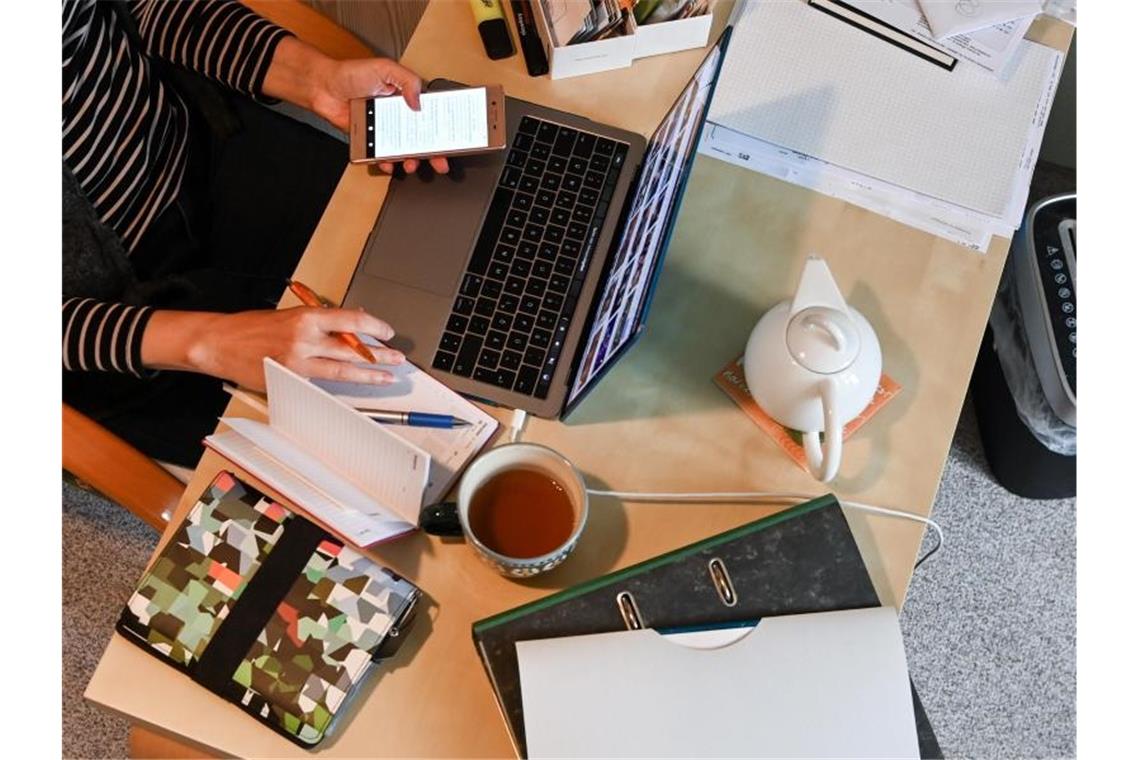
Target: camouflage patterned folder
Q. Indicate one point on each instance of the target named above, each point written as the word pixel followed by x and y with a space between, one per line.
pixel 267 610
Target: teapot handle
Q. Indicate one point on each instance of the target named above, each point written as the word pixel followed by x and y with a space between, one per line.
pixel 824 465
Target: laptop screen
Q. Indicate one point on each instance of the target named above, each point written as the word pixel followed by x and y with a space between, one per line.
pixel 620 309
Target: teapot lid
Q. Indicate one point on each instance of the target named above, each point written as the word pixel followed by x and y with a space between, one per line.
pixel 823 340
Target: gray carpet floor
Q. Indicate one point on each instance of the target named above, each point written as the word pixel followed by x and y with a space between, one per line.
pixel 989 623
pixel 105 549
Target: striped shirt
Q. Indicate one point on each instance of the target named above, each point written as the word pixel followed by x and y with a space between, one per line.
pixel 125 132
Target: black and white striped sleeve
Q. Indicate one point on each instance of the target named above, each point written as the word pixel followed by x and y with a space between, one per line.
pixel 221 39
pixel 103 336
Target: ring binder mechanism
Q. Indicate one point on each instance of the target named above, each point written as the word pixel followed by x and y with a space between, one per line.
pixel 803 559
pixel 629 612
pixel 722 582
pixel 627 604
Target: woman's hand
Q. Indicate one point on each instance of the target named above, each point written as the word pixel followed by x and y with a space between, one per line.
pixel 303 75
pixel 232 346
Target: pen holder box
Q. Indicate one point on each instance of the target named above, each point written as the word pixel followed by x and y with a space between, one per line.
pixel 620 52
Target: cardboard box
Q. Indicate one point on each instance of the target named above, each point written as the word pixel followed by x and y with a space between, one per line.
pixel 620 52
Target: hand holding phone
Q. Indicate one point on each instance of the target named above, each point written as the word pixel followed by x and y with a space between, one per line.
pixel 449 122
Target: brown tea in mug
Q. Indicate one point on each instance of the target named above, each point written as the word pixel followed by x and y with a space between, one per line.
pixel 521 513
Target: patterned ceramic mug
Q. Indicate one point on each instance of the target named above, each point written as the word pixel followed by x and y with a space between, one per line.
pixel 536 458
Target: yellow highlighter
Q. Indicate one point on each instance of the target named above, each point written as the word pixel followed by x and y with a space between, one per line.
pixel 492 25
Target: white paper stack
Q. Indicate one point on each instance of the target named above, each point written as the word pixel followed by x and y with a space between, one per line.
pixel 824 104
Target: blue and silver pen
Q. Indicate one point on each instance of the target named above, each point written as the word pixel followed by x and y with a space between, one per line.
pixel 416 419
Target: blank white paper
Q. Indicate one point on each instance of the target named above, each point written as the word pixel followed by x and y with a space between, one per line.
pixel 830 684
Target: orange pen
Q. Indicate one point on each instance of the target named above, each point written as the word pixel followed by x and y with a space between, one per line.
pixel 309 298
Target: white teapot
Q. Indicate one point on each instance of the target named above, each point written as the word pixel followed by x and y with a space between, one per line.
pixel 813 364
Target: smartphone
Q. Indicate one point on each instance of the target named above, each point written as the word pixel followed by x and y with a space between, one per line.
pixel 449 123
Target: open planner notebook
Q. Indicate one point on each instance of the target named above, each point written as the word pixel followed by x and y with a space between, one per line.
pixel 363 480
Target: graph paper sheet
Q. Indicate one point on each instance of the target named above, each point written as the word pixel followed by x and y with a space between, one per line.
pixel 801 79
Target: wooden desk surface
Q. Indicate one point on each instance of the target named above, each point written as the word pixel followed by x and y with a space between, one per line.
pixel 656 422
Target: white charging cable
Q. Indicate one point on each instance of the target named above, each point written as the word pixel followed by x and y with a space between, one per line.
pixel 518 422
pixel 763 496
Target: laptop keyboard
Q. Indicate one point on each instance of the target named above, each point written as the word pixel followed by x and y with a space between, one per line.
pixel 510 318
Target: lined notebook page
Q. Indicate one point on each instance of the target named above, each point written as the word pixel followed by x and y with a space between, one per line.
pixel 417 391
pixel 801 79
pixel 347 510
pixel 386 467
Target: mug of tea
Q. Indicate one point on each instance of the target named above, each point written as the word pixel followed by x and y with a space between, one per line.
pixel 522 506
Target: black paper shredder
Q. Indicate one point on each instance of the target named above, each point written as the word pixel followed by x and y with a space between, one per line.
pixel 1025 380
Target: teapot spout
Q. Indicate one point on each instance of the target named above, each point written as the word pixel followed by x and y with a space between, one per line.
pixel 817 288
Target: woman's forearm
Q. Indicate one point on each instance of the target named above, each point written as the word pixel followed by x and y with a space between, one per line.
pixel 233 346
pixel 175 340
pixel 297 71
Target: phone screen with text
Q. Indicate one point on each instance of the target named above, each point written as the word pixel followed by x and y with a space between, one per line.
pixel 447 121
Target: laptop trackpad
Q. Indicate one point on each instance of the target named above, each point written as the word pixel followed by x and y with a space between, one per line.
pixel 429 224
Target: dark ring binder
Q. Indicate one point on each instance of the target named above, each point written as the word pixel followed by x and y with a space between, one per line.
pixel 803 559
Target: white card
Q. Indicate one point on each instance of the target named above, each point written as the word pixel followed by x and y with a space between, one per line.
pixel 829 684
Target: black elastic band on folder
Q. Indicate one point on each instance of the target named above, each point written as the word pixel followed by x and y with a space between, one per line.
pixel 256 605
pixel 870 30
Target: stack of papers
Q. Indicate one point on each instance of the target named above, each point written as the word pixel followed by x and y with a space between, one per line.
pixel 812 99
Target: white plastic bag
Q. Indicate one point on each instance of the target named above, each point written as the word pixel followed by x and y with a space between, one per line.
pixel 1012 348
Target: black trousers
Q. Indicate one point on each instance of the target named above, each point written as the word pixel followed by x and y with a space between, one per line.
pixel 250 201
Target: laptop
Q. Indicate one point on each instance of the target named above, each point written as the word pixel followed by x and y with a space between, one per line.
pixel 522 276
